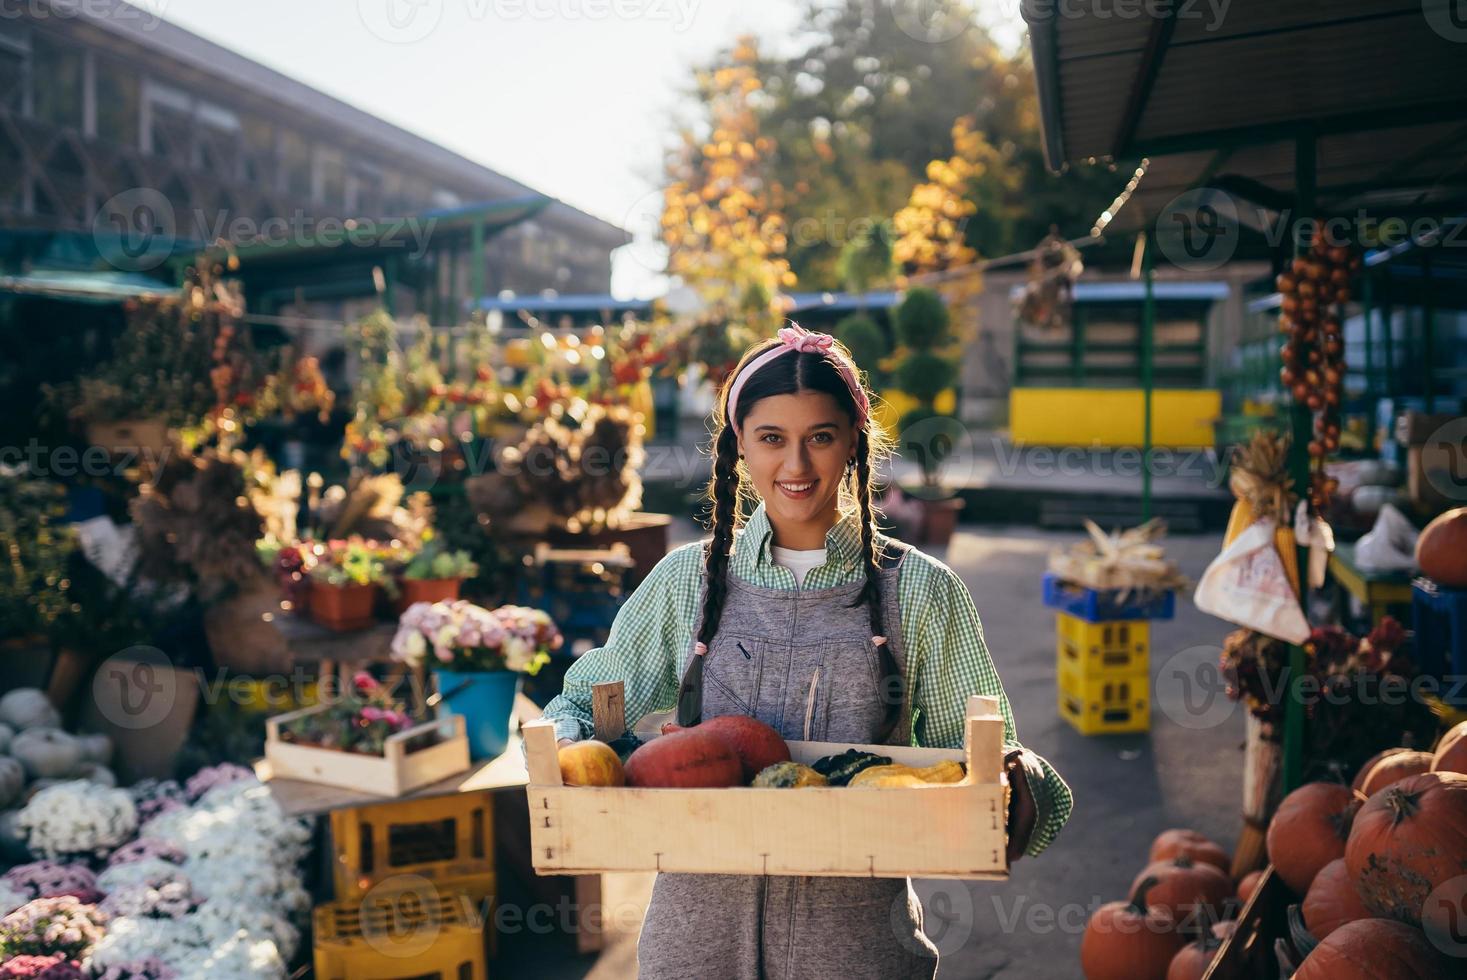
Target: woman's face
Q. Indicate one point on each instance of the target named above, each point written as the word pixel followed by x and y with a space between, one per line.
pixel 796 448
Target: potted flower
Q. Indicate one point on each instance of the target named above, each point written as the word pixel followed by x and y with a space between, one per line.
pixel 360 721
pixel 344 584
pixel 291 565
pixel 479 658
pixel 434 574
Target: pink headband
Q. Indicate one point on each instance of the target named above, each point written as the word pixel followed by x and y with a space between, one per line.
pixel 797 338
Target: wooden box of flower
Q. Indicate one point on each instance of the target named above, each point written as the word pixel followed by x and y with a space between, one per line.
pixel 946 830
pixel 410 759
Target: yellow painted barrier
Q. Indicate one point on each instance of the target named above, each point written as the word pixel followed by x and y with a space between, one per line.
pixel 1180 418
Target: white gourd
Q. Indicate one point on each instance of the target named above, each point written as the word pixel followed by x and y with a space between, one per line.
pixel 46 753
pixel 96 748
pixel 28 707
pixel 12 781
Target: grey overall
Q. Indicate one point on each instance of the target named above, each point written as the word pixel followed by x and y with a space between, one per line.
pixel 803 662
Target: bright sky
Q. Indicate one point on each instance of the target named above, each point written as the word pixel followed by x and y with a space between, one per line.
pixel 574 97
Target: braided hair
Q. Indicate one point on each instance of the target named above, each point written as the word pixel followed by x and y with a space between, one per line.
pixel 729 489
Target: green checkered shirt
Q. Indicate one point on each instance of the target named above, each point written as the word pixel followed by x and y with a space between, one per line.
pixel 947 660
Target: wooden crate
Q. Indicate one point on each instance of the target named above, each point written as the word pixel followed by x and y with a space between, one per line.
pixel 950 831
pixel 446 840
pixel 395 773
pixel 1249 952
pixel 417 934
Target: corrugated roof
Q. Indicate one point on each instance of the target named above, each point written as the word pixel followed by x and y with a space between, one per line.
pixel 1218 97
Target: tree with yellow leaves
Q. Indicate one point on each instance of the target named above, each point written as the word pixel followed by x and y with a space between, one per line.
pixel 721 220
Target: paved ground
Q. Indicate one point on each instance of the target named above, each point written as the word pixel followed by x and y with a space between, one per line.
pixel 1186 772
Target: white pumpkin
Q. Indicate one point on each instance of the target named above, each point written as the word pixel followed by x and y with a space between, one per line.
pixel 97 773
pixel 12 781
pixel 6 734
pixel 28 707
pixel 46 753
pixel 96 748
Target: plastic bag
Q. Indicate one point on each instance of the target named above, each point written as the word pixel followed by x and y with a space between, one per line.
pixel 1247 585
pixel 1388 546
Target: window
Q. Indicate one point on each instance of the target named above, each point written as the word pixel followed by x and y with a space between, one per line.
pixel 259 151
pixel 295 160
pixel 118 99
pixel 332 177
pixel 58 82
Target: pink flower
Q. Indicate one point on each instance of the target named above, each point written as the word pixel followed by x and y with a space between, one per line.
pixel 364 682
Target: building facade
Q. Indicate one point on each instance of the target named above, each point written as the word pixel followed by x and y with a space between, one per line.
pixel 110 117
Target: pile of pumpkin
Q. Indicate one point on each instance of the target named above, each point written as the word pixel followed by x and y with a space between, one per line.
pixel 1365 858
pixel 732 750
pixel 35 752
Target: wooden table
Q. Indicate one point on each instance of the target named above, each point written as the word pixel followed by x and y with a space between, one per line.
pixel 505 776
pixel 1378 591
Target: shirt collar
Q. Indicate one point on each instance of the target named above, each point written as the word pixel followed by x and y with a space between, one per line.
pixel 842 541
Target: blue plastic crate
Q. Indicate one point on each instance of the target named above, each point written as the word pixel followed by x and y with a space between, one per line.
pixel 1439 619
pixel 1097 606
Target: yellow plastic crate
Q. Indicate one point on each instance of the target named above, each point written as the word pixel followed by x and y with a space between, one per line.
pixel 422 932
pixel 1106 705
pixel 448 840
pixel 1120 646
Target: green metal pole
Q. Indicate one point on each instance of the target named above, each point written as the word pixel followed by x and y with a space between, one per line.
pixel 1301 428
pixel 1428 331
pixel 1366 298
pixel 1148 325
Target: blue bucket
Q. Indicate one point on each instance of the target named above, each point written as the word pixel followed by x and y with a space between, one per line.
pixel 486 701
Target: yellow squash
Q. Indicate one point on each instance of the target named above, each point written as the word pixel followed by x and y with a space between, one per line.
pixel 947 771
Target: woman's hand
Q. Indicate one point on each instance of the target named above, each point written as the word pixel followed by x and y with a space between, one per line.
pixel 1021 766
pixel 562 743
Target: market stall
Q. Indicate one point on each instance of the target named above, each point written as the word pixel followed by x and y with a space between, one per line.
pixel 1310 152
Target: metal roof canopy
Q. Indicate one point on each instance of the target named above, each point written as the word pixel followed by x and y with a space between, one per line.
pixel 1218 95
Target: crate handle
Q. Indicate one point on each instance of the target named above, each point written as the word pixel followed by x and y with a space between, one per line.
pixel 541 755
pixel 984 744
pixel 608 710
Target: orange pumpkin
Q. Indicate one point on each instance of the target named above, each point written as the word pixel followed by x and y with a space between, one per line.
pixel 1188 843
pixel 1359 781
pixel 1247 886
pixel 1192 961
pixel 1129 940
pixel 1407 840
pixel 1194 893
pixel 1441 550
pixel 1451 751
pixel 1394 768
pixel 1332 900
pixel 1308 831
pixel 1375 949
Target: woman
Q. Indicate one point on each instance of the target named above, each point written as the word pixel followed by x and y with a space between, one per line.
pixel 809 619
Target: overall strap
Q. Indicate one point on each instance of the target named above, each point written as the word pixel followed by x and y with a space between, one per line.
pixel 893 553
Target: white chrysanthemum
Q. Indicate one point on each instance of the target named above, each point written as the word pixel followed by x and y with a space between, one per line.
pixel 129 939
pixel 221 919
pixel 258 883
pixel 238 957
pixel 77 817
pixel 153 872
